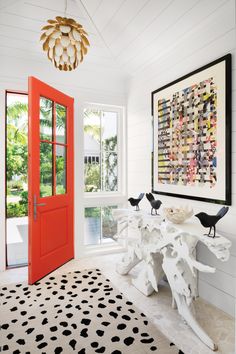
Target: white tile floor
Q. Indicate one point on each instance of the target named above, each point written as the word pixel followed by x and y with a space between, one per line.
pixel 157 307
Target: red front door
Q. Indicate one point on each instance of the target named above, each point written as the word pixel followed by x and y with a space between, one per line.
pixel 51 182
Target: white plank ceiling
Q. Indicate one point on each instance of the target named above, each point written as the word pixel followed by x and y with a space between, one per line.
pixel 126 35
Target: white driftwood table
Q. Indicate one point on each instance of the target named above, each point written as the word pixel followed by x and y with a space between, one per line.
pixel 169 249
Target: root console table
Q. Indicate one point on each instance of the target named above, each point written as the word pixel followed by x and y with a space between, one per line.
pixel 169 249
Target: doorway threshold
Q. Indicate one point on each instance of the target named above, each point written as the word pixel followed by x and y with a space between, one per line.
pixel 14 275
pixel 14 266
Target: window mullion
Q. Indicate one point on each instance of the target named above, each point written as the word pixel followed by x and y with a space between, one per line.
pixel 54 148
pixel 101 225
pixel 101 176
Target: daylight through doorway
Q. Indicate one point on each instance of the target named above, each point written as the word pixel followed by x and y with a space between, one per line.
pixel 16 179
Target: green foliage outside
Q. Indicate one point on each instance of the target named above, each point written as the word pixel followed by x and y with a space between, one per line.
pixel 92 177
pixel 92 212
pixel 97 177
pixel 110 164
pixel 100 177
pixel 17 142
pixel 109 225
pixel 17 159
pixel 20 208
pixel 17 156
pixel 17 210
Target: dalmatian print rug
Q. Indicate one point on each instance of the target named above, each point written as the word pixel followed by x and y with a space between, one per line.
pixel 79 312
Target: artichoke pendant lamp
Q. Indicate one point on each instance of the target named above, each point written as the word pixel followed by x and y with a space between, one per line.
pixel 65 42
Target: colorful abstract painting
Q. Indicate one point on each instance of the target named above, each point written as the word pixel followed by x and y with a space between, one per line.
pixel 187 139
pixel 192 135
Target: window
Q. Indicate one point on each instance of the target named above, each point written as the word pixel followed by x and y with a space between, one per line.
pixel 100 227
pixel 101 151
pixel 104 173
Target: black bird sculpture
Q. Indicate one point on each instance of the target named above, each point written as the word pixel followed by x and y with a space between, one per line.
pixel 155 204
pixel 211 220
pixel 135 202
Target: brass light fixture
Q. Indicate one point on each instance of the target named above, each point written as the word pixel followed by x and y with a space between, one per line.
pixel 65 42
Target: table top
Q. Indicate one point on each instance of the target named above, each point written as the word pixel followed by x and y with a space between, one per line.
pixel 192 226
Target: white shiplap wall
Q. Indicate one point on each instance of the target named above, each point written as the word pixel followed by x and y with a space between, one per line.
pixel 214 37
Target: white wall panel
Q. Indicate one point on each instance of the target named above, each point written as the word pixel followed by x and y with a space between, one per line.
pixel 217 297
pixel 228 267
pixel 184 62
pixel 220 280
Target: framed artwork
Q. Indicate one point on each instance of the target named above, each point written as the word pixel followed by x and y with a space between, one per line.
pixel 192 135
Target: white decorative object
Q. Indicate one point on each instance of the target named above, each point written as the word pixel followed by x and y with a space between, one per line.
pixel 178 215
pixel 167 249
pixel 65 42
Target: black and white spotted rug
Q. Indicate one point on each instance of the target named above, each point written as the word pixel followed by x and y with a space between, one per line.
pixel 79 312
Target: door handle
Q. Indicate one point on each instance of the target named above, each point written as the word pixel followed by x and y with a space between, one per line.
pixel 35 206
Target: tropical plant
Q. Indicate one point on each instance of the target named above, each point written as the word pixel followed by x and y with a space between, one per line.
pixel 110 164
pixel 92 177
pixel 92 212
pixel 99 177
pixel 24 197
pixel 17 158
pixel 15 112
pixel 17 154
pixel 17 141
pixel 109 225
pixel 46 113
pixel 16 210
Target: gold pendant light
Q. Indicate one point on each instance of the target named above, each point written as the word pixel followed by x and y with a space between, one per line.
pixel 65 42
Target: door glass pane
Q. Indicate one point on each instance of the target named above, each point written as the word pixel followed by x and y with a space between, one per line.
pixel 109 171
pixel 60 169
pixel 109 130
pixel 60 123
pixel 46 170
pixel 46 119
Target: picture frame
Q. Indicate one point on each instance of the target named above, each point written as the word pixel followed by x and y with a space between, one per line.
pixel 192 135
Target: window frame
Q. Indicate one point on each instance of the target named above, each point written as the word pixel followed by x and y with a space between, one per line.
pixel 119 197
pixel 6 263
pixel 121 148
